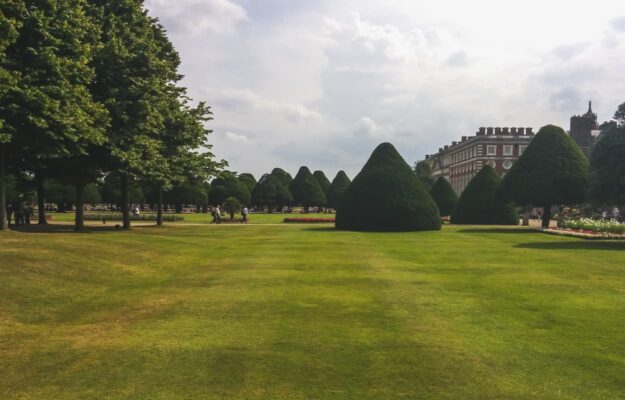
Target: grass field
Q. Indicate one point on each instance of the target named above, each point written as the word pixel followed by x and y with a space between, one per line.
pixel 307 312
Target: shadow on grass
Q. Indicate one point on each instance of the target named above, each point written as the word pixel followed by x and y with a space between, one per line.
pixel 577 245
pixel 58 228
pixel 499 230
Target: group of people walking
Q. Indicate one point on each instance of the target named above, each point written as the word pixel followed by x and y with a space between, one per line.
pixel 216 213
pixel 23 213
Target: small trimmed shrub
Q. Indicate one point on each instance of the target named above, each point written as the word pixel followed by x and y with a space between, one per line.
pixel 478 204
pixel 387 196
pixel 444 196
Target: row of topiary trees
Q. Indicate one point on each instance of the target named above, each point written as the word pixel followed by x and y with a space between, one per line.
pixel 387 195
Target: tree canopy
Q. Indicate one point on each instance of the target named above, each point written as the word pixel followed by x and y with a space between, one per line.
pixel 444 196
pixel 479 205
pixel 323 181
pixel 271 192
pixel 387 196
pixel 337 189
pixel 306 190
pixel 284 176
pixel 423 169
pixel 607 164
pixel 551 171
pixel 248 180
pixel 619 115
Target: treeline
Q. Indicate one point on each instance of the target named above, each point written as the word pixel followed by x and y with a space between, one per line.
pixel 278 189
pixel 90 90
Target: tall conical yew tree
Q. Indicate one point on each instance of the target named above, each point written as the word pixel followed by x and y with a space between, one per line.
pixel 444 196
pixel 323 181
pixel 607 163
pixel 337 189
pixel 553 170
pixel 387 196
pixel 284 176
pixel 270 192
pixel 478 204
pixel 249 181
pixel 306 190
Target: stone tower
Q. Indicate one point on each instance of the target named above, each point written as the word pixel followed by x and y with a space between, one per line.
pixel 581 129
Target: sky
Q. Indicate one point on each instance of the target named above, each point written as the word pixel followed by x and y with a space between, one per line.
pixel 321 83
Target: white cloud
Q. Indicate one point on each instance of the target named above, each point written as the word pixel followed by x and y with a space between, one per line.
pixel 198 16
pixel 321 82
pixel 235 137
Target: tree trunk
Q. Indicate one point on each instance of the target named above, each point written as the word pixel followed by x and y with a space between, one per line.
pixel 124 201
pixel 159 208
pixel 41 201
pixel 79 225
pixel 4 221
pixel 546 216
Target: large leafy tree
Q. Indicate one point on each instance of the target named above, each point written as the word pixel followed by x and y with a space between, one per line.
pixel 444 196
pixel 306 189
pixel 423 169
pixel 478 204
pixel 188 192
pixel 387 196
pixel 134 72
pixel 47 111
pixel 284 176
pixel 337 189
pixel 551 171
pixel 270 192
pixel 619 115
pixel 249 180
pixel 607 163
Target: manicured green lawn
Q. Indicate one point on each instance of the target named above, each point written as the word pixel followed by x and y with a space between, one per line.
pixel 307 312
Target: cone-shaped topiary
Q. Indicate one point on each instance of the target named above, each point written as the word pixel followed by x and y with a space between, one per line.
pixel 478 204
pixel 323 181
pixel 387 196
pixel 444 196
pixel 551 171
pixel 306 190
pixel 284 176
pixel 337 189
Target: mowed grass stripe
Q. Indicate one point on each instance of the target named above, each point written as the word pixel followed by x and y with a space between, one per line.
pixel 304 312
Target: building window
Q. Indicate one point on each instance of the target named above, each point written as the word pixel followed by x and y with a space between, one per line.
pixel 522 149
pixel 507 150
pixel 491 150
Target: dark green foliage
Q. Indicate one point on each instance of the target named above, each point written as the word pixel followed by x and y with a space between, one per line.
pixel 236 188
pixel 607 164
pixel 619 115
pixel 423 169
pixel 248 180
pixel 444 196
pixel 232 205
pixel 218 195
pixel 110 190
pixel 553 170
pixel 337 189
pixel 323 181
pixel 387 196
pixel 271 192
pixel 187 193
pixel 306 190
pixel 284 176
pixel 478 204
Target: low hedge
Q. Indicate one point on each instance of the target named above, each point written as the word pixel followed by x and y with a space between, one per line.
pixel 142 217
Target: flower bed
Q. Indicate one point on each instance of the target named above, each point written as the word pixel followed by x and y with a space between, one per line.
pixel 586 228
pixel 309 220
pixel 584 234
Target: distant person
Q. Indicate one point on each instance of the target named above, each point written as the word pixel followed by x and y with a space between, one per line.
pixel 244 213
pixel 9 212
pixel 136 212
pixel 216 215
pixel 19 214
pixel 28 211
pixel 616 213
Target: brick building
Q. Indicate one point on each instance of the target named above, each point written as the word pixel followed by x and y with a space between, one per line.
pixel 497 147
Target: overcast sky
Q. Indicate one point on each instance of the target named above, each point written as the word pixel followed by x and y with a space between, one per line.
pixel 322 82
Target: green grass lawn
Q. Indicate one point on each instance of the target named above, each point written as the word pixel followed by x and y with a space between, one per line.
pixel 307 312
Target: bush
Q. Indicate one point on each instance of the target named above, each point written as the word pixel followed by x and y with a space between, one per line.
pixel 478 204
pixel 387 196
pixel 337 189
pixel 142 217
pixel 598 226
pixel 444 196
